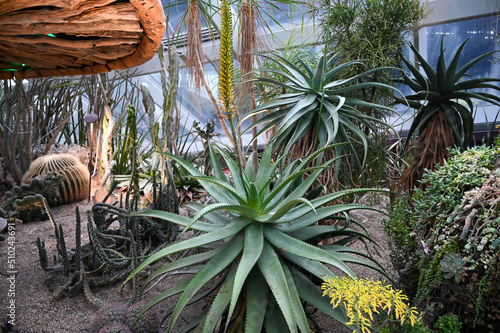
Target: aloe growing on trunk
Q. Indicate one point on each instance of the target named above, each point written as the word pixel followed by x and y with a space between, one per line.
pixel 262 259
pixel 313 109
pixel 443 99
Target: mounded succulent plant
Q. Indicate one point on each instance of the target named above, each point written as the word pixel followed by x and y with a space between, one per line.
pixel 453 265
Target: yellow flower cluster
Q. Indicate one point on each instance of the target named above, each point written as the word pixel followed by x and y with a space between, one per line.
pixel 226 81
pixel 364 298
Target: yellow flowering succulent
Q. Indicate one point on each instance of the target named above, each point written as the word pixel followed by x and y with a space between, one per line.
pixel 364 298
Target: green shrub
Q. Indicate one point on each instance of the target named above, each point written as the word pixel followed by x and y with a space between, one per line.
pixel 447 243
pixel 448 324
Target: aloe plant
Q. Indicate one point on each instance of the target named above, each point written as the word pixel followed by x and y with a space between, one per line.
pixel 314 105
pixel 262 258
pixel 443 99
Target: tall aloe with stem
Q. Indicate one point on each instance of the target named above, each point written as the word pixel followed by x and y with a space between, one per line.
pixel 262 258
pixel 313 111
pixel 443 99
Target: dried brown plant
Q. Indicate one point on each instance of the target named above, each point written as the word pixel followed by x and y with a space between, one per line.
pixel 431 149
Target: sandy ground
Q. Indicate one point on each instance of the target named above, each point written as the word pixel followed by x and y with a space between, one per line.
pixel 37 310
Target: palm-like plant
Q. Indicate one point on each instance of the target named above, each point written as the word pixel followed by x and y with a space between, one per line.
pixel 444 100
pixel 263 259
pixel 314 110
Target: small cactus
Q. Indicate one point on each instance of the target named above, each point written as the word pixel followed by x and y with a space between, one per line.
pixel 116 328
pixel 118 318
pixel 149 322
pixel 453 266
pixel 108 314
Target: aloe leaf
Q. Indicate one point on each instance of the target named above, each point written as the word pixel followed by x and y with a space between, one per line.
pixel 362 262
pixel 272 270
pixel 177 289
pixel 357 102
pixel 250 167
pixel 313 267
pixel 300 130
pixel 275 321
pixel 308 103
pixel 264 130
pixel 441 83
pixel 217 167
pixel 211 188
pixel 476 83
pixel 278 191
pixel 175 218
pixel 268 174
pixel 422 81
pixel 360 134
pixel 212 217
pixel 461 72
pixel 285 207
pixel 257 300
pixel 220 303
pixel 328 127
pixel 429 71
pixel 215 266
pixel 489 98
pixel 252 250
pixel 450 114
pixel 413 84
pixel 318 202
pixel 272 115
pixel 298 309
pixel 300 190
pixel 195 242
pixel 314 296
pixel 317 82
pixel 421 118
pixel 293 84
pixel 452 68
pixel 308 69
pixel 292 68
pixel 235 171
pixel 277 103
pixel 264 164
pixel 339 68
pixel 194 323
pixel 182 264
pixel 242 210
pixel 238 193
pixel 299 248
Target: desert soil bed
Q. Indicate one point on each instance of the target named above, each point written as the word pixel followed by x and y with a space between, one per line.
pixel 37 310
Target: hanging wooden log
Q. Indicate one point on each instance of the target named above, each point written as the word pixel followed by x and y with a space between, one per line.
pixel 75 37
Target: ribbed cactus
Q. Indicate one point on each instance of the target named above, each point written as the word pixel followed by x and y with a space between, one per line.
pixel 116 328
pixel 108 314
pixel 117 317
pixel 149 322
pixel 75 184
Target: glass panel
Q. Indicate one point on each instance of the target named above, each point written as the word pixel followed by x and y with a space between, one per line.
pixel 481 33
pixel 276 14
pixel 175 10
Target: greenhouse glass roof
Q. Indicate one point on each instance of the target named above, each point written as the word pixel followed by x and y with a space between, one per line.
pixel 285 25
